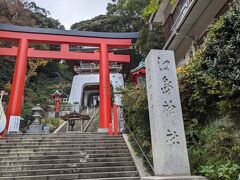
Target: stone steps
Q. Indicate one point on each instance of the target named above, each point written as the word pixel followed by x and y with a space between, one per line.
pixel 66 165
pixel 48 161
pixel 66 156
pixel 52 149
pixel 24 153
pixel 66 171
pixel 64 145
pixel 23 144
pixel 65 139
pixel 19 158
pixel 97 175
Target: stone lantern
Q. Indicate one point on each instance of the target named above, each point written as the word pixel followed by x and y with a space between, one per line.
pixel 57 97
pixel 37 113
pixel 36 127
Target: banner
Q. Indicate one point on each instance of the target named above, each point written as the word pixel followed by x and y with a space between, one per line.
pixel 2 115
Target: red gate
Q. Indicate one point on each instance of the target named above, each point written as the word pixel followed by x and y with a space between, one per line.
pixel 26 35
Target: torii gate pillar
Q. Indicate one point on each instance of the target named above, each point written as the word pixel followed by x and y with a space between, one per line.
pixel 105 96
pixel 18 82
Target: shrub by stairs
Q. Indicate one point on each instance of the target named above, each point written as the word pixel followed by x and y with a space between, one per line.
pixel 66 156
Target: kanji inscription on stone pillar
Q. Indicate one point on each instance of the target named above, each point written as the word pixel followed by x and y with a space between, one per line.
pixel 170 157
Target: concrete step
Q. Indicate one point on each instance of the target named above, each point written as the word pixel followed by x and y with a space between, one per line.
pixel 58 143
pixel 60 139
pixel 77 176
pixel 104 144
pixel 61 161
pixel 29 154
pixel 58 148
pixel 66 171
pixel 53 157
pixel 60 156
pixel 62 135
pixel 118 178
pixel 65 165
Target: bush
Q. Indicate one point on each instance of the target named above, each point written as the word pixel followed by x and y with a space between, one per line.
pixel 53 123
pixel 136 116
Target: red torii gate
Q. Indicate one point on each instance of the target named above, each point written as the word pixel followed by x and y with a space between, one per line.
pixel 26 35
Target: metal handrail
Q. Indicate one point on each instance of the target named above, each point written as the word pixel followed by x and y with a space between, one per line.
pixel 90 121
pixel 145 156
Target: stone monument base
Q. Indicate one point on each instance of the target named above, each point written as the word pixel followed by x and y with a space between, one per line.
pixel 102 130
pixel 174 178
pixel 35 129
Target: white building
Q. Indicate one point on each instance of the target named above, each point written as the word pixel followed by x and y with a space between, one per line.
pixel 186 22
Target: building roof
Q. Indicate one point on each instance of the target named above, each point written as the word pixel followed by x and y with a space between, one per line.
pixel 75 116
pixel 140 66
pixel 56 93
pixel 112 35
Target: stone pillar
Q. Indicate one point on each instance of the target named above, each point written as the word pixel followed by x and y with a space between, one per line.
pixel 170 157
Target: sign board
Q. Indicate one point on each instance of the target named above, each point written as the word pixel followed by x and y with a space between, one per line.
pixel 14 124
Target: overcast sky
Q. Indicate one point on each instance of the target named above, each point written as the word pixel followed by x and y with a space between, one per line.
pixel 71 11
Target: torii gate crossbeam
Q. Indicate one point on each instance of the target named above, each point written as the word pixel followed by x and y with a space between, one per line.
pixel 26 35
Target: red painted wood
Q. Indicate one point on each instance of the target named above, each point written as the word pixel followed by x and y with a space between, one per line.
pixel 105 96
pixel 18 83
pixel 63 54
pixel 110 133
pixel 59 39
pixel 57 106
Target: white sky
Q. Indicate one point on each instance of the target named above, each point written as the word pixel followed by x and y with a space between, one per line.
pixel 71 11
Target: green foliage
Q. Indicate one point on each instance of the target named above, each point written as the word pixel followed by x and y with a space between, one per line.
pixel 136 116
pixel 43 77
pixel 38 90
pixel 122 16
pixel 224 171
pixel 53 123
pixel 151 8
pixel 150 38
pixel 211 80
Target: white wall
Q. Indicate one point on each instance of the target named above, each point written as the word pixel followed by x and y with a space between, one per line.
pixel 82 80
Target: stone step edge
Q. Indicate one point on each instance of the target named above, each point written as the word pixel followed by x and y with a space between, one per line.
pixel 59 175
pixel 70 143
pixel 62 164
pixel 59 135
pixel 63 160
pixel 53 152
pixel 63 139
pixel 117 178
pixel 32 150
pixel 63 142
pixel 60 146
pixel 67 155
pixel 70 168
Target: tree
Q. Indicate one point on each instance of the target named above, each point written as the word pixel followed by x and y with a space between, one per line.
pixel 122 16
pixel 41 74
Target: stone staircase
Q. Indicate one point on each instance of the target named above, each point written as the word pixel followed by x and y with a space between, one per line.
pixel 66 156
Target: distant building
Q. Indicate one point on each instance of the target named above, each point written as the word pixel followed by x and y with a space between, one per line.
pixel 186 22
